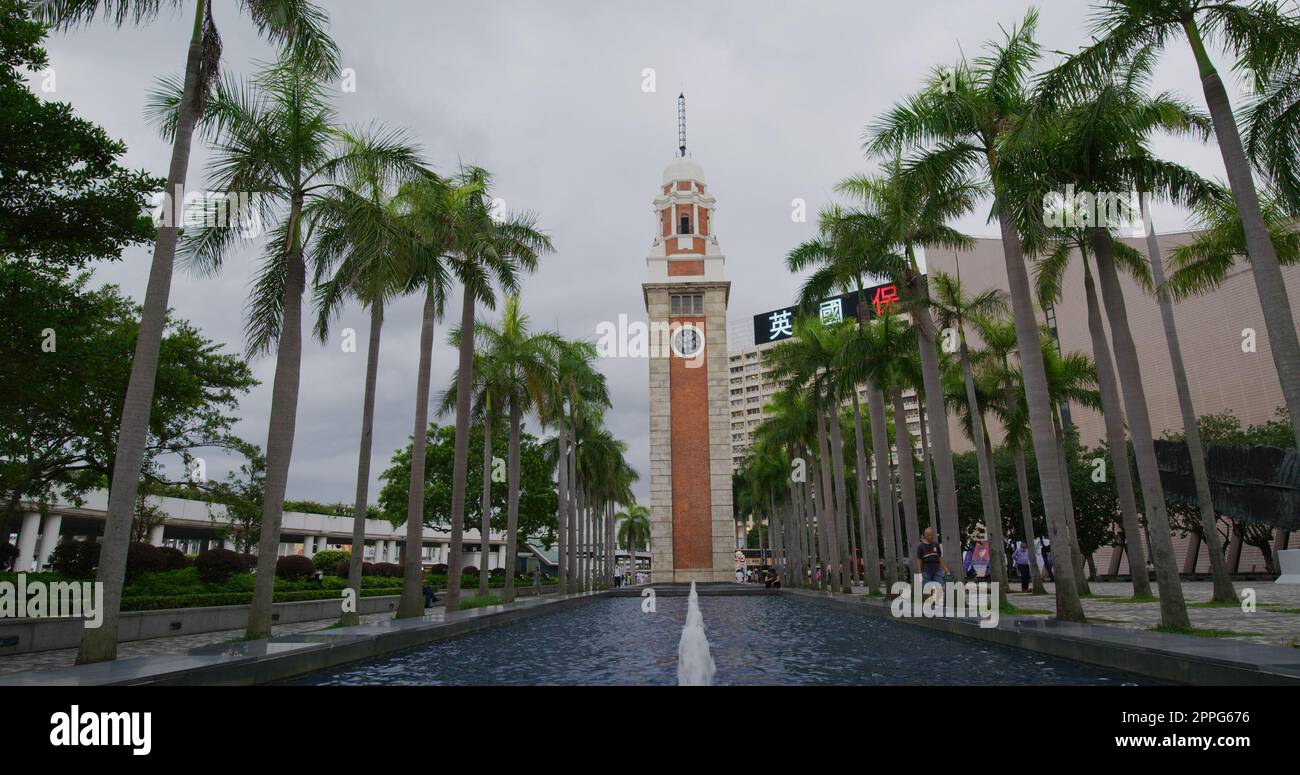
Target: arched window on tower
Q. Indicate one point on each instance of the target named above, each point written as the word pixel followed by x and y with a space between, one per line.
pixel 685 227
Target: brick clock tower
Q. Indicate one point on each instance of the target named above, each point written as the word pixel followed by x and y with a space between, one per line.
pixel 693 533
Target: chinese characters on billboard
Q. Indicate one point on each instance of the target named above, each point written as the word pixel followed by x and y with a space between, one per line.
pixel 779 324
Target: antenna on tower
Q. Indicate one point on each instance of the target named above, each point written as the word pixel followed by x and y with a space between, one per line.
pixel 681 124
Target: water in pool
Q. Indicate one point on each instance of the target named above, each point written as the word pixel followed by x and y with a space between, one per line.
pixel 754 640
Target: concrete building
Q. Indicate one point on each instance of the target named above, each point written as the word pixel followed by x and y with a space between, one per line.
pixel 751 387
pixel 1223 376
pixel 194 526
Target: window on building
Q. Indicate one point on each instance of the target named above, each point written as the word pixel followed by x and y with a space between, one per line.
pixel 687 304
pixel 685 226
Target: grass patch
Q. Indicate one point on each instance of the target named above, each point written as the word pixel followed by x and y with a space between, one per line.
pixel 1014 610
pixel 480 601
pixel 1203 633
pixel 1122 598
pixel 1213 604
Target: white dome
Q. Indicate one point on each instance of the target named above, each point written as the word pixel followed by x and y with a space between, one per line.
pixel 683 169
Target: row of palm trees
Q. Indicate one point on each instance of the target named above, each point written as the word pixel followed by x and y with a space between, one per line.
pixel 987 127
pixel 360 211
pixel 517 372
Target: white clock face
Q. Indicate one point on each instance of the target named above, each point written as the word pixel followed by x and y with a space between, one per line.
pixel 688 342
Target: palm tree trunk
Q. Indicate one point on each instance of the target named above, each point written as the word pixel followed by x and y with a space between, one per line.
pixel 1223 589
pixel 1113 415
pixel 906 474
pixel 460 460
pixel 609 546
pixel 1068 607
pixel 841 501
pixel 899 552
pixel 485 504
pixel 585 526
pixel 797 567
pixel 411 603
pixel 914 527
pixel 572 505
pixel 353 617
pixel 512 500
pixel 100 644
pixel 1027 515
pixel 801 533
pixel 984 463
pixel 1269 283
pixel 1173 609
pixel 884 481
pixel 1000 538
pixel 279 440
pixel 817 513
pixel 855 575
pixel 1072 528
pixel 561 506
pixel 826 516
pixel 867 518
pixel 950 530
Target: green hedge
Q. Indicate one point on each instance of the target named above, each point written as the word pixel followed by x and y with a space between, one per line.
pixel 160 602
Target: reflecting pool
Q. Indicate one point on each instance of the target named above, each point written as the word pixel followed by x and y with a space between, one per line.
pixel 765 640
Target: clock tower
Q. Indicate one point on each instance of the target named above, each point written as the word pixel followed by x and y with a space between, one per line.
pixel 691 525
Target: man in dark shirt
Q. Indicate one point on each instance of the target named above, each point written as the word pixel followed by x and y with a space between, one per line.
pixel 929 560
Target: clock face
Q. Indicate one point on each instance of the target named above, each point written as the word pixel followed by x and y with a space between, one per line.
pixel 688 342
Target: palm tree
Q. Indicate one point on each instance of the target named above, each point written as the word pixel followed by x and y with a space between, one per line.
pixel 433 209
pixel 277 135
pixel 787 427
pixel 878 356
pixel 1071 379
pixel 298 28
pixel 954 308
pixel 576 393
pixel 909 206
pixel 1273 136
pixel 523 361
pixel 1265 40
pixel 1097 140
pixel 961 116
pixel 1008 404
pixel 808 360
pixel 1049 273
pixel 842 256
pixel 633 530
pixel 490 384
pixel 481 248
pixel 360 238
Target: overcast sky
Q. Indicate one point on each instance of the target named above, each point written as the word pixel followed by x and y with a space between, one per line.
pixel 548 96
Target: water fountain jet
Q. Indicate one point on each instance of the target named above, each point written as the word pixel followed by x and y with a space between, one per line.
pixel 694 662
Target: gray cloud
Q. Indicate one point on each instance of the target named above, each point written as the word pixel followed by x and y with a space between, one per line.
pixel 548 96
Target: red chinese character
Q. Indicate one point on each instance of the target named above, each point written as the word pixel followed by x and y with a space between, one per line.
pixel 885 299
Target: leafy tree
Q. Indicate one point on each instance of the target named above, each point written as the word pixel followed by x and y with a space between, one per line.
pixel 241 494
pixel 64 200
pixel 61 393
pixel 536 490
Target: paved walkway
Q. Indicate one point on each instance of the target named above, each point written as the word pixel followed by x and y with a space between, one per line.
pixel 179 644
pixel 1275 620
